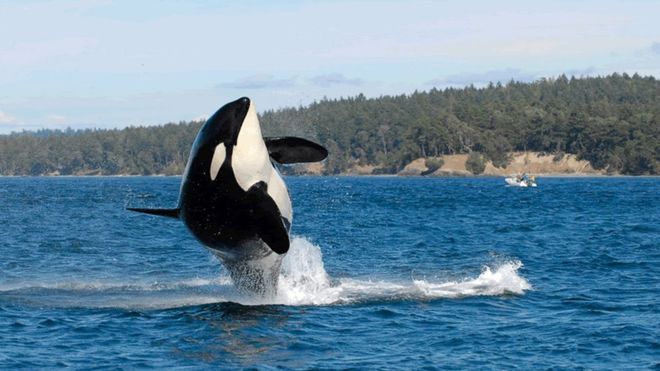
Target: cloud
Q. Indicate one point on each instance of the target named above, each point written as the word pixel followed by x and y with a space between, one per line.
pixel 483 78
pixel 655 47
pixel 6 119
pixel 335 79
pixel 56 118
pixel 262 81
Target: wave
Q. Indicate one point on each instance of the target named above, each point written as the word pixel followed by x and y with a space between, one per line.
pixel 111 285
pixel 303 281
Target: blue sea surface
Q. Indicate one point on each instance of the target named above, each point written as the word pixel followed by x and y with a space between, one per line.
pixel 383 272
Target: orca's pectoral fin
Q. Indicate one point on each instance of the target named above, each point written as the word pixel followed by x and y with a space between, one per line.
pixel 290 150
pixel 170 213
pixel 267 218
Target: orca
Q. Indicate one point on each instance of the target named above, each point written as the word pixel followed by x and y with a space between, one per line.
pixel 233 199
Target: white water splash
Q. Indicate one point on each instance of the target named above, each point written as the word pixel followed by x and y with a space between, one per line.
pixel 504 280
pixel 303 281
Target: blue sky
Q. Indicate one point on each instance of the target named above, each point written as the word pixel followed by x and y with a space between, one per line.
pixel 106 64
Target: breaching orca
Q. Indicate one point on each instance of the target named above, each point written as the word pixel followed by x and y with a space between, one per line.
pixel 232 198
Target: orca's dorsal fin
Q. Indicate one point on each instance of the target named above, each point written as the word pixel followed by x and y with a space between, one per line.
pixel 170 213
pixel 291 150
pixel 268 219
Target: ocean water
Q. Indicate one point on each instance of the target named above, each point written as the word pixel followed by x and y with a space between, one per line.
pixel 383 273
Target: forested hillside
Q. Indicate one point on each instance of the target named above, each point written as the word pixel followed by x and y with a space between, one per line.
pixel 613 121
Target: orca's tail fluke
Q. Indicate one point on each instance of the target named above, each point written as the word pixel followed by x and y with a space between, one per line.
pixel 170 213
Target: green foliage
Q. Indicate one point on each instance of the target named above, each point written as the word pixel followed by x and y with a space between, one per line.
pixel 594 118
pixel 432 164
pixel 613 121
pixel 475 163
pixel 132 151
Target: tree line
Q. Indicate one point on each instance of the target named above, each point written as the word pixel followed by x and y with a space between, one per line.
pixel 611 121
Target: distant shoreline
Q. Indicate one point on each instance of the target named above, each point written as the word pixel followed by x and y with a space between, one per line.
pixel 446 166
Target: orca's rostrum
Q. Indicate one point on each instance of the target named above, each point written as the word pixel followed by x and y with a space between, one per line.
pixel 232 198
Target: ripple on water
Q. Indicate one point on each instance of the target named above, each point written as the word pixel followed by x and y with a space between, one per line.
pixel 394 273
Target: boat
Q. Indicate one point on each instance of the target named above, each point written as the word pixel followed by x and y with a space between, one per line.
pixel 521 181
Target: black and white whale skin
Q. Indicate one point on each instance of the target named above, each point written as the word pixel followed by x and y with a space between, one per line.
pixel 232 198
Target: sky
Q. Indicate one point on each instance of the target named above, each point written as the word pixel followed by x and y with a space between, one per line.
pixel 112 64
